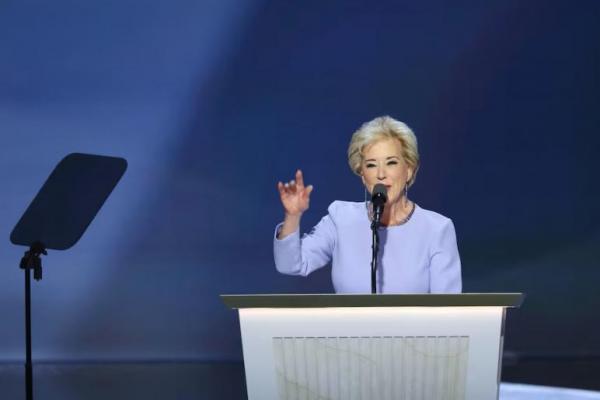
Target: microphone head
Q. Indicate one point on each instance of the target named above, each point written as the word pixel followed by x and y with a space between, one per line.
pixel 379 195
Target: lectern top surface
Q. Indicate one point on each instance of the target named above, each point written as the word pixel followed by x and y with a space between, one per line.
pixel 373 300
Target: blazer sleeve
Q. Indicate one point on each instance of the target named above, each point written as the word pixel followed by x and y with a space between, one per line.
pixel 301 256
pixel 445 267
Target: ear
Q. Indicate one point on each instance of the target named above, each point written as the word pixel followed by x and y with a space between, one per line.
pixel 409 174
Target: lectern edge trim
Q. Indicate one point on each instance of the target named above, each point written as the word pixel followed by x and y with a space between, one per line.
pixel 237 301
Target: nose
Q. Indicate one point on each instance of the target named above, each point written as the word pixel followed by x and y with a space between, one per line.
pixel 380 173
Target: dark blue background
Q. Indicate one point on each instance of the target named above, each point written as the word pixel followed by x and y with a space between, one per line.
pixel 213 102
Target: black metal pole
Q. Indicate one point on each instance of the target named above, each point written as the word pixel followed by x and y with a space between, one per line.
pixel 31 261
pixel 375 249
pixel 28 363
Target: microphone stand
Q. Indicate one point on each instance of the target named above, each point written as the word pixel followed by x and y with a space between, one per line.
pixel 375 248
pixel 378 200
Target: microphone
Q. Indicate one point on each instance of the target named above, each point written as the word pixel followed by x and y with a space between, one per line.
pixel 378 199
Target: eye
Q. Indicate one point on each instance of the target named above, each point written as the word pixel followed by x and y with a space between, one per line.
pixel 392 162
pixel 370 165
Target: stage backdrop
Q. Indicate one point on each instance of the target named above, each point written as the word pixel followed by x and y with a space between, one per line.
pixel 213 102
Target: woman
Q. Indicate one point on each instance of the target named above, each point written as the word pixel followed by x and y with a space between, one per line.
pixel 417 251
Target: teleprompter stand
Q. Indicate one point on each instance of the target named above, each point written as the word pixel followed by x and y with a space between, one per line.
pixel 57 218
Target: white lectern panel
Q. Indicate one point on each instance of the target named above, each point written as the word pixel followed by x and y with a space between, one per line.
pixel 372 353
pixel 384 368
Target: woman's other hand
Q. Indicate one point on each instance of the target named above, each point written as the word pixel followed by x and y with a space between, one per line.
pixel 295 197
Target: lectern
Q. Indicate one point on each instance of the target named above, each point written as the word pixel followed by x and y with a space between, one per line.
pixel 373 347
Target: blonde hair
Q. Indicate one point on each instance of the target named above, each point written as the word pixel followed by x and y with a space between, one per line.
pixel 383 128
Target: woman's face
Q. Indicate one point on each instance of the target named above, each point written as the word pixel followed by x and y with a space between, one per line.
pixel 383 163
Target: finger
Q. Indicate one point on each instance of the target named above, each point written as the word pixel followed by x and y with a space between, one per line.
pixel 281 188
pixel 284 188
pixel 300 179
pixel 308 191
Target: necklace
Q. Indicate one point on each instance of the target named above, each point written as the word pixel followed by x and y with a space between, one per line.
pixel 404 220
pixel 410 214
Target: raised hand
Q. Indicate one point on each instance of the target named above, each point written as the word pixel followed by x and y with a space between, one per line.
pixel 295 197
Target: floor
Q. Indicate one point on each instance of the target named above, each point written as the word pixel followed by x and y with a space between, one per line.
pixel 196 380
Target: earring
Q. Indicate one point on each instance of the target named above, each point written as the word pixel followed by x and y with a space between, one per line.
pixel 406 194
